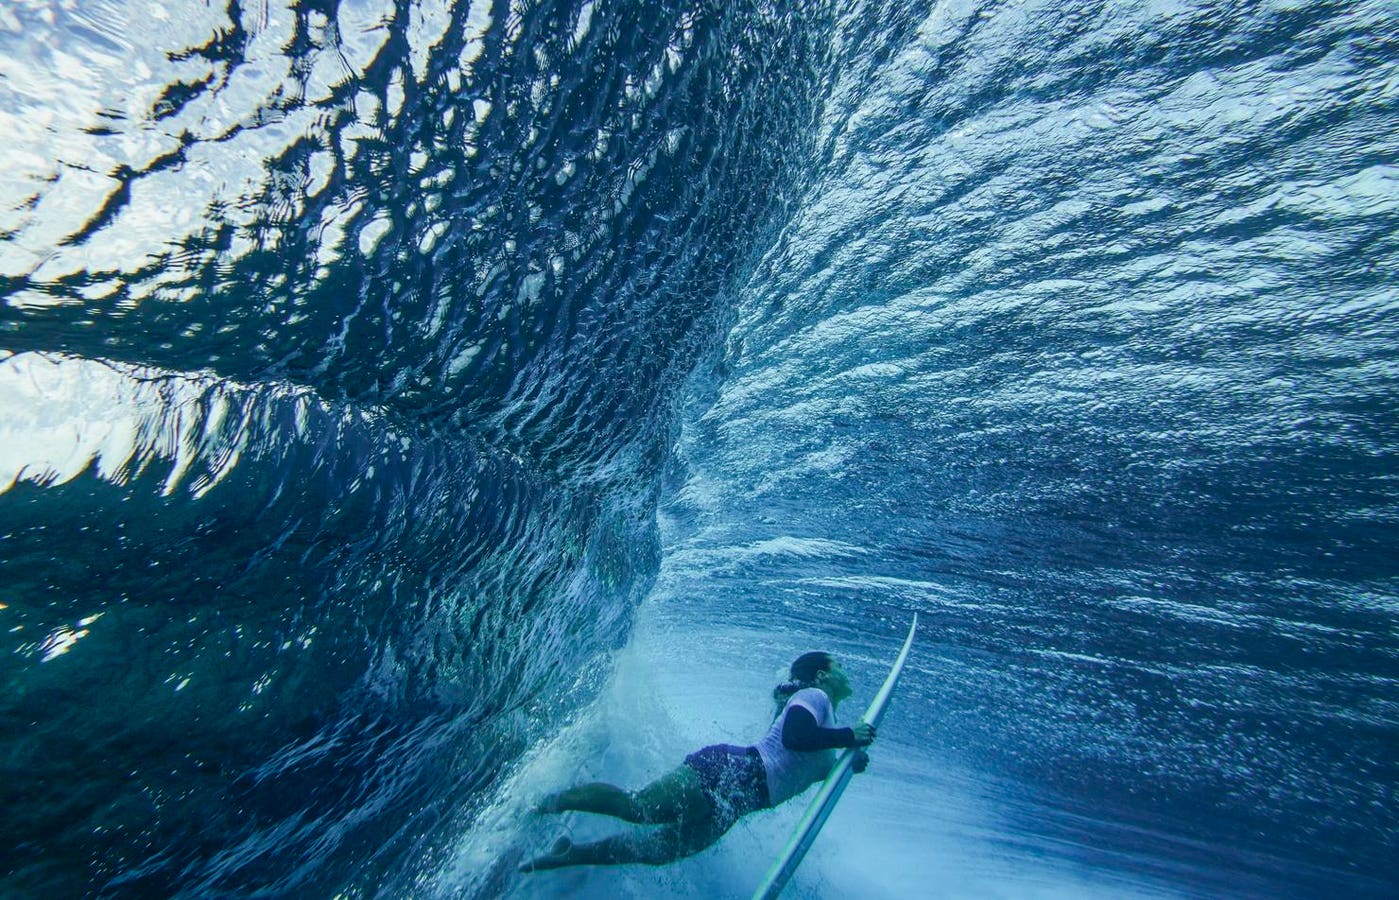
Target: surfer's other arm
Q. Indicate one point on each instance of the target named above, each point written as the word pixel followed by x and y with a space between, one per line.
pixel 801 733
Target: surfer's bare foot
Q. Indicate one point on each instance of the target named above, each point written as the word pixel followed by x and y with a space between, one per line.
pixel 556 857
pixel 550 804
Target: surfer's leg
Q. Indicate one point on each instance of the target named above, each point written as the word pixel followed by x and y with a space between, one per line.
pixel 652 848
pixel 598 797
pixel 663 800
pixel 676 797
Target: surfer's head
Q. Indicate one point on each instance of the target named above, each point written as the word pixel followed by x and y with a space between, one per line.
pixel 806 667
pixel 817 669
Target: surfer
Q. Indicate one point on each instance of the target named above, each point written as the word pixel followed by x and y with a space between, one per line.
pixel 716 786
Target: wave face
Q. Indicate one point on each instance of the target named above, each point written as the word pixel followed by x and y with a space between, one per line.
pixel 1085 344
pixel 340 349
pixel 349 351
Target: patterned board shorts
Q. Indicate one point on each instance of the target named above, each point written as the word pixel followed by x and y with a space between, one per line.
pixel 733 780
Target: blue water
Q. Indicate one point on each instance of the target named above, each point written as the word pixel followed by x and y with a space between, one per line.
pixel 406 408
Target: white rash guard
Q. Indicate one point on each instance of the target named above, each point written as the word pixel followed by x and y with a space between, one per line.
pixel 789 772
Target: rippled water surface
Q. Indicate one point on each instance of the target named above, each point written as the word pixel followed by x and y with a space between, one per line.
pixel 406 406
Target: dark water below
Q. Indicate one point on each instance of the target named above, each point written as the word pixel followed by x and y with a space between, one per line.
pixel 366 367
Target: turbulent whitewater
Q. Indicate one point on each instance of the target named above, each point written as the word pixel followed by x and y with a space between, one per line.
pixel 407 405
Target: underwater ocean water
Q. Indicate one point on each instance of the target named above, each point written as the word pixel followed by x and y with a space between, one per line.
pixel 410 406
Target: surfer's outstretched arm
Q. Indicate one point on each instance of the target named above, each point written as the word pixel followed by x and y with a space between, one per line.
pixel 801 732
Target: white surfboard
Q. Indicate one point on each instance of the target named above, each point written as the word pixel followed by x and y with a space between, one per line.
pixel 825 799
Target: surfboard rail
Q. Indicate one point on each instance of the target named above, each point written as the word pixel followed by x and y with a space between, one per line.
pixel 825 800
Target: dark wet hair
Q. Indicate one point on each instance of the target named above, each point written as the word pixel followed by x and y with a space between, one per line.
pixel 803 674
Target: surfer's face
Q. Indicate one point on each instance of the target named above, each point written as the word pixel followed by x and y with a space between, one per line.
pixel 834 682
